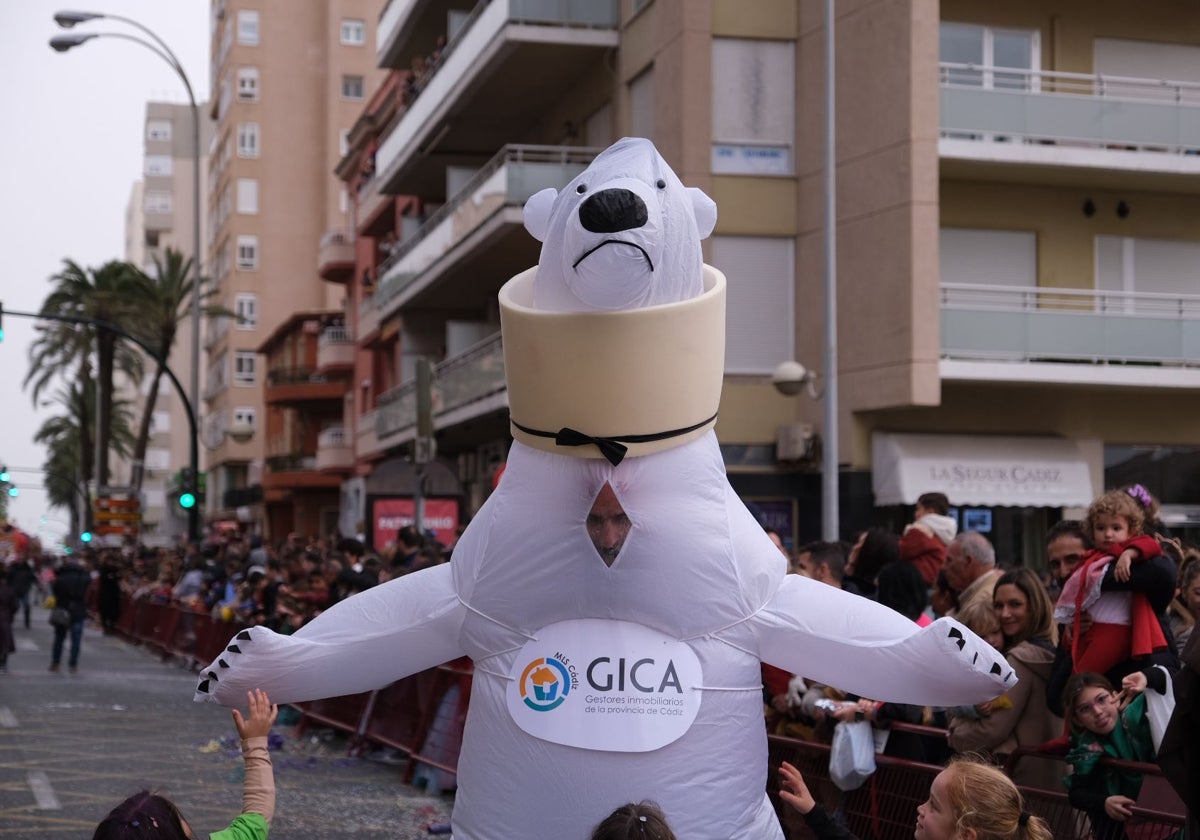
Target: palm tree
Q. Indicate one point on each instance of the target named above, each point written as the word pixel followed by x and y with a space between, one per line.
pixel 66 438
pixel 107 294
pixel 165 301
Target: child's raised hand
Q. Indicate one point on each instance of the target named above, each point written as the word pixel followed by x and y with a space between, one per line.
pixel 260 715
pixel 1121 569
pixel 793 791
pixel 1131 686
pixel 1119 808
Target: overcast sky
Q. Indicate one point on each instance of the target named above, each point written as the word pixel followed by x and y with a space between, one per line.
pixel 71 148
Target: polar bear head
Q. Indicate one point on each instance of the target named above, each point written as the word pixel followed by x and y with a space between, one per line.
pixel 624 234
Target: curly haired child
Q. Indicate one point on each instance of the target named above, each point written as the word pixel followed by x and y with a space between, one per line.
pixel 1124 625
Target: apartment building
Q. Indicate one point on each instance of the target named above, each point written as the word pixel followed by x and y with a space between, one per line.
pixel 159 215
pixel 1017 239
pixel 289 80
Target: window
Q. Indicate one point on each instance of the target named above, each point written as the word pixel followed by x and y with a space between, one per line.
pixel 244 362
pixel 753 106
pixel 247 253
pixel 160 422
pixel 1127 265
pixel 343 142
pixel 990 49
pixel 244 416
pixel 158 459
pixel 759 319
pixel 155 497
pixel 641 105
pixel 247 27
pixel 247 84
pixel 157 165
pixel 157 202
pixel 245 306
pixel 343 200
pixel 247 140
pixel 354 32
pixel 352 87
pixel 247 195
pixel 158 129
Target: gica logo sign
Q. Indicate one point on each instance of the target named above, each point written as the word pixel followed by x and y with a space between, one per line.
pixel 546 682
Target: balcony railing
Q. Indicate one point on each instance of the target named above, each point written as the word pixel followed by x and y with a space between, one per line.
pixel 511 177
pixel 292 462
pixel 1072 325
pixel 457 382
pixel 1073 109
pixel 294 376
pixel 335 334
pixel 332 437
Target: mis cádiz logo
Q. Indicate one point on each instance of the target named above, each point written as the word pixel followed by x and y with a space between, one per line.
pixel 546 682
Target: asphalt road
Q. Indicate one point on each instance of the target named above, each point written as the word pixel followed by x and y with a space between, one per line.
pixel 74 745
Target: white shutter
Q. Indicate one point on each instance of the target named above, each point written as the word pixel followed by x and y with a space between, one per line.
pixel 759 316
pixel 988 257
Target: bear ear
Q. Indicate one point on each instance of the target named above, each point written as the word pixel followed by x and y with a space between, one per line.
pixel 537 213
pixel 703 206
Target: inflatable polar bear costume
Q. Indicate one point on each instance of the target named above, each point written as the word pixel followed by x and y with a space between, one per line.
pixel 600 684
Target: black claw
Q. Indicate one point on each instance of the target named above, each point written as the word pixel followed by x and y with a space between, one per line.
pixel 212 675
pixel 244 635
pixel 955 633
pixel 222 663
pixel 996 669
pixel 234 649
pixel 203 687
pixel 975 658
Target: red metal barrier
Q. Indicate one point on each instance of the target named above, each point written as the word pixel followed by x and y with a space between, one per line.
pixel 885 808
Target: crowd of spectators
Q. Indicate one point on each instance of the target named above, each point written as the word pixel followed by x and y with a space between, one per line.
pixel 1119 597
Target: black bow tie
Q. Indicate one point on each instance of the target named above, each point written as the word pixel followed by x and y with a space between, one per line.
pixel 613 448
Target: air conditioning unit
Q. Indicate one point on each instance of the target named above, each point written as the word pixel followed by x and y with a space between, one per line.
pixel 794 442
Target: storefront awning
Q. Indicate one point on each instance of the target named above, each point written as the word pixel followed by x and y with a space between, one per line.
pixel 980 470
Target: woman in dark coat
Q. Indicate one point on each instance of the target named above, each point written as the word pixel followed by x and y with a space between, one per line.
pixel 8 611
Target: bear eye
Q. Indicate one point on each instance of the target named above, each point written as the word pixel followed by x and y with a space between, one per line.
pixel 581 189
pixel 661 184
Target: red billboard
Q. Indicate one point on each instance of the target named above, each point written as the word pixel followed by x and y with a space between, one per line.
pixel 391 513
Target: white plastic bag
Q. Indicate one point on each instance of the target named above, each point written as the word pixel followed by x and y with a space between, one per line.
pixel 1159 708
pixel 852 756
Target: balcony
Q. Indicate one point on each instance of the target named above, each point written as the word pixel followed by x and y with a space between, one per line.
pixel 335 350
pixel 289 386
pixel 465 387
pixel 478 236
pixel 366 441
pixel 294 471
pixel 237 497
pixel 334 452
pixel 1071 336
pixel 335 256
pixel 368 317
pixel 1067 121
pixel 371 203
pixel 507 65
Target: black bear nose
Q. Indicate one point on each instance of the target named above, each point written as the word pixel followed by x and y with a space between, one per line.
pixel 609 211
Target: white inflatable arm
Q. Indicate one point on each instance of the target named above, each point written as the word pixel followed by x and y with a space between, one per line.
pixel 364 642
pixel 854 644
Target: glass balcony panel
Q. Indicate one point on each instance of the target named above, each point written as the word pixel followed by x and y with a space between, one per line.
pixel 470 376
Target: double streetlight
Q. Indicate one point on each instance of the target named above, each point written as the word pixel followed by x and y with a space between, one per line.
pixel 62 43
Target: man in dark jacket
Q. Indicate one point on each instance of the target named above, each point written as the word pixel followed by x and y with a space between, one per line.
pixel 70 588
pixel 22 578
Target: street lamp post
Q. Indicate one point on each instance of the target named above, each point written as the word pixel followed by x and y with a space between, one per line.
pixel 62 43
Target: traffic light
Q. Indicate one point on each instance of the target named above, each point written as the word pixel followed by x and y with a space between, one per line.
pixel 86 537
pixel 187 501
pixel 4 475
pixel 14 492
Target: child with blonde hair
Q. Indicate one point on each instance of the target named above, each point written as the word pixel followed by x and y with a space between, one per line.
pixel 1124 625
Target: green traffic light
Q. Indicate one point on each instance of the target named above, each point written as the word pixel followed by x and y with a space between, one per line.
pixel 4 476
pixel 14 492
pixel 187 500
pixel 86 536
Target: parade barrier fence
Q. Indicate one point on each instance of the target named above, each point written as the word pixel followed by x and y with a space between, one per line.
pixel 423 716
pixel 885 807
